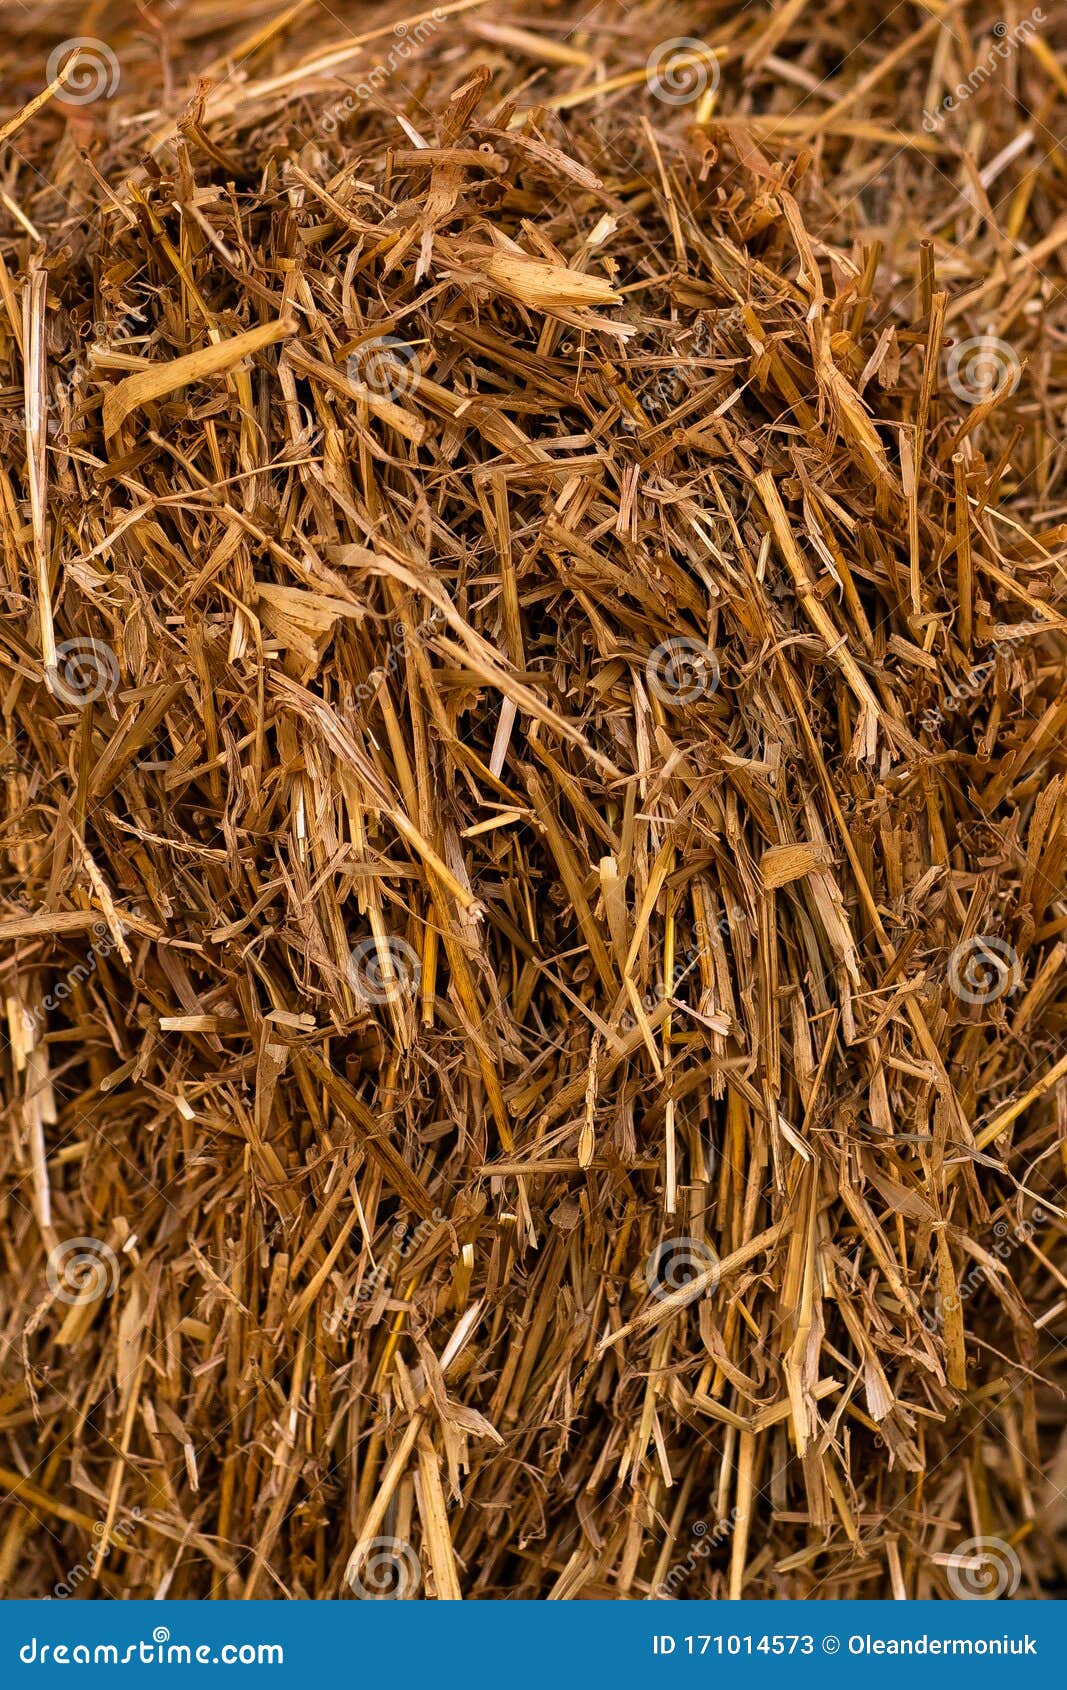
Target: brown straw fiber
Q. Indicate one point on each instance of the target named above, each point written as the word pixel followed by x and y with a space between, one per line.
pixel 532 905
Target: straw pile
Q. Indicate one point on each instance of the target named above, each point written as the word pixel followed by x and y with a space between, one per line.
pixel 533 911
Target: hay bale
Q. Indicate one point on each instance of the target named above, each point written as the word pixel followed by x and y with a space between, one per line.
pixel 533 909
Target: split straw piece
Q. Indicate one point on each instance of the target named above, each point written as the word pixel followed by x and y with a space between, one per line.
pixel 161 379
